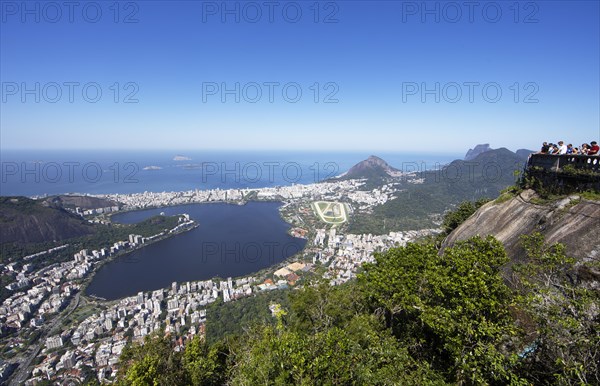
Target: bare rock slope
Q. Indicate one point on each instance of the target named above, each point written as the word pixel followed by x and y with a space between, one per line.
pixel 572 221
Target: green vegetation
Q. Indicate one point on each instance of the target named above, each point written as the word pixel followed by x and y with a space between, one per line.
pixel 361 353
pixel 572 171
pixel 109 234
pixel 452 315
pixel 154 363
pixel 26 221
pixel 462 212
pixel 83 311
pixel 552 186
pixel 568 180
pixel 409 210
pixel 204 364
pixel 415 317
pixel 103 237
pixel 565 339
pixel 230 319
pixel 590 195
pixel 508 193
pixel 450 221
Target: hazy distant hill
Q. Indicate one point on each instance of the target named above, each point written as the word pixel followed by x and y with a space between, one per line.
pixel 473 153
pixel 480 149
pixel 372 167
pixel 484 176
pixel 490 168
pixel 524 153
pixel 23 220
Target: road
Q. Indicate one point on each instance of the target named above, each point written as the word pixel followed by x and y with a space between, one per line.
pixel 22 372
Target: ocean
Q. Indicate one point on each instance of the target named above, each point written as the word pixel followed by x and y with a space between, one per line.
pixel 41 173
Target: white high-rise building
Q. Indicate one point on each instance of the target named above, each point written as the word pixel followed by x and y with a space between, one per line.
pixel 54 342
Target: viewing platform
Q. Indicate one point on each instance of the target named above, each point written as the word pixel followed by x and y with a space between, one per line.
pixel 565 173
pixel 556 163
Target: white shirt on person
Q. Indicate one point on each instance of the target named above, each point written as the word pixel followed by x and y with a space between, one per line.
pixel 562 149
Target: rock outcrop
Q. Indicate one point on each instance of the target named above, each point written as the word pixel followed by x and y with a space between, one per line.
pixel 479 149
pixel 573 221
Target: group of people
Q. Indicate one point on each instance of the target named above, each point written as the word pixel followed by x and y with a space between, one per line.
pixel 560 148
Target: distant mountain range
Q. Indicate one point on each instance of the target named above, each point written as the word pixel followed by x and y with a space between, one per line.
pixel 524 153
pixel 482 148
pixel 485 175
pixel 376 170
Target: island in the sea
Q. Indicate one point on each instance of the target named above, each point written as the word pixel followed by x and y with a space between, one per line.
pixel 152 167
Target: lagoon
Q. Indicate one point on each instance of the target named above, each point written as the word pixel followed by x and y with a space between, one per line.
pixel 230 241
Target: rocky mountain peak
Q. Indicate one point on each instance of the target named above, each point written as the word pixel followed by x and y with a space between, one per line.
pixel 473 153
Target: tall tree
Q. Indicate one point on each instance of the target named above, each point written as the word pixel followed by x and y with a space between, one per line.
pixel 451 309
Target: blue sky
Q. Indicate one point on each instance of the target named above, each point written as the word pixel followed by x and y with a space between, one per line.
pixel 380 65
